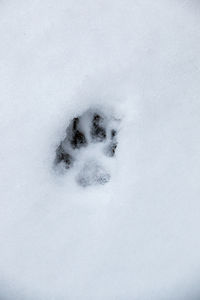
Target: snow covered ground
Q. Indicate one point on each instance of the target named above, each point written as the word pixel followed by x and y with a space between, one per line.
pixel 137 236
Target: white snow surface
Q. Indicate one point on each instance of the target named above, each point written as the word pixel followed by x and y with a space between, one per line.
pixel 136 237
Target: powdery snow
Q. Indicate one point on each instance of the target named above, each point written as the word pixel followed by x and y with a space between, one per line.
pixel 137 236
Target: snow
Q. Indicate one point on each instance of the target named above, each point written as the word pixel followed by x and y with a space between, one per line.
pixel 135 237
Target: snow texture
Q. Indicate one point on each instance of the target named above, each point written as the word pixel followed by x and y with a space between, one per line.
pixel 62 234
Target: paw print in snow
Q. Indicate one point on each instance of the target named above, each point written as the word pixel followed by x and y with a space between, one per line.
pixel 89 138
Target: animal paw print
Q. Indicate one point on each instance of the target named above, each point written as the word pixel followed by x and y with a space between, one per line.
pixel 89 137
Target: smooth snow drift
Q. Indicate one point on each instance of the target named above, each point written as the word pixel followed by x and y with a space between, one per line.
pixel 63 234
